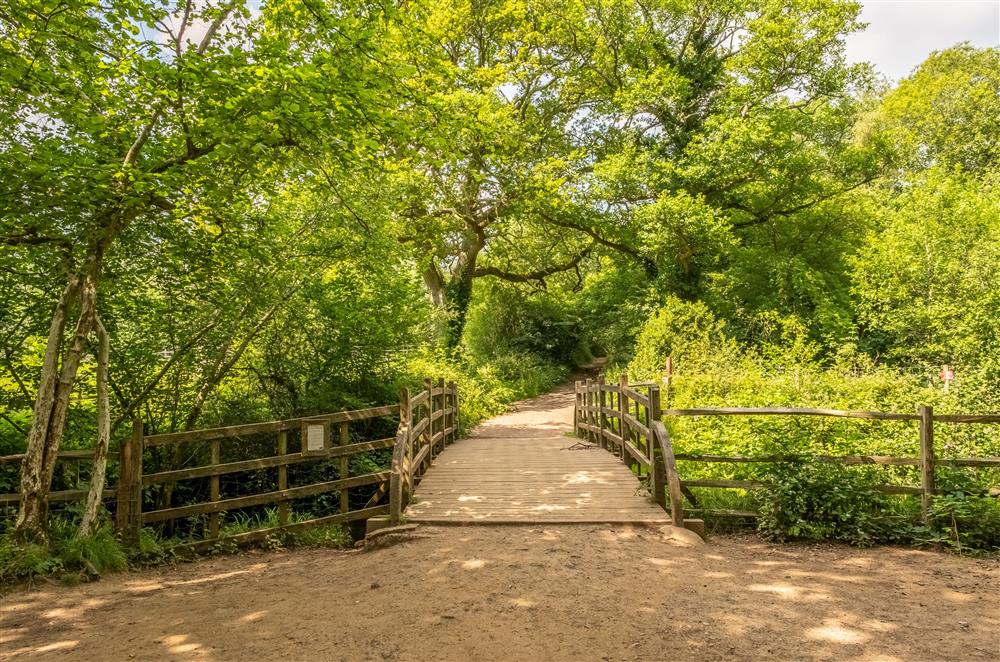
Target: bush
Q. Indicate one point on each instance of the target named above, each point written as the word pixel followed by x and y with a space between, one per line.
pixel 67 556
pixel 819 502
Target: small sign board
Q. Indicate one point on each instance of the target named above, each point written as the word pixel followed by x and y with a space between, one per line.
pixel 315 436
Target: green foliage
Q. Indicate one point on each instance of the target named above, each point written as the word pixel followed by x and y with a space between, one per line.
pixel 67 555
pixel 822 502
pixel 948 112
pixel 488 387
pixel 686 331
pixel 506 321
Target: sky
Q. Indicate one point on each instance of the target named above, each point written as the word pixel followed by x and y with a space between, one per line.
pixel 902 33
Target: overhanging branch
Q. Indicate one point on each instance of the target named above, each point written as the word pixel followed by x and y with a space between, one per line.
pixel 537 276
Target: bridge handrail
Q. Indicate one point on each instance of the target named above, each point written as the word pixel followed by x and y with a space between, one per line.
pixel 629 423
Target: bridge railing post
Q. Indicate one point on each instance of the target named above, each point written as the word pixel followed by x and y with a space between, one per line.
pixel 622 410
pixel 658 469
pixel 602 422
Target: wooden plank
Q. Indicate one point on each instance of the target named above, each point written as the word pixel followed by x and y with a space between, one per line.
pixel 636 397
pixel 438 413
pixel 610 413
pixel 213 519
pixel 790 411
pixel 419 428
pixel 419 459
pixel 662 437
pixel 634 423
pixel 400 467
pixel 971 462
pixel 637 454
pixel 263 498
pixel 831 459
pixel 260 534
pixel 266 462
pixel 419 399
pixel 967 418
pixel 269 426
pixel 614 438
pixel 726 483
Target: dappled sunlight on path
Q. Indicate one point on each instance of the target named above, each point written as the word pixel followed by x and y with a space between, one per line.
pixel 584 592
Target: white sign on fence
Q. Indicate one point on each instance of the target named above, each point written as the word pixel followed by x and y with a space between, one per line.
pixel 315 438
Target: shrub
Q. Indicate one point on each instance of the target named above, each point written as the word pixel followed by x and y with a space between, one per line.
pixel 817 502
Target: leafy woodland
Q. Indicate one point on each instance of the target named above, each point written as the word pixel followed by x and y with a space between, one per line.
pixel 221 212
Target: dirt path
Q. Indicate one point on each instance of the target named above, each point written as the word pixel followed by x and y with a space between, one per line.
pixel 526 593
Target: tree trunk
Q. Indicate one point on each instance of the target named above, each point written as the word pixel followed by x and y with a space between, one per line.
pixel 51 407
pixel 31 515
pixel 97 474
pixel 459 290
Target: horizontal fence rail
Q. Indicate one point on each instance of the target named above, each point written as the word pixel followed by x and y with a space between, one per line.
pixel 624 420
pixel 427 421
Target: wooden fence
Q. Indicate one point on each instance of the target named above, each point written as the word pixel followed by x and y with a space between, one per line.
pixel 621 418
pixel 428 421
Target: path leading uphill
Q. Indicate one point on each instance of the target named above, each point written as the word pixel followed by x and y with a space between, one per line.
pixel 525 467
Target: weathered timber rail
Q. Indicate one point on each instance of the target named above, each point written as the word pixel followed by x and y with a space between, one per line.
pixel 629 423
pixel 427 421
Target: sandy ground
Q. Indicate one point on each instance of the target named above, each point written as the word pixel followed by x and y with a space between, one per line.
pixel 573 592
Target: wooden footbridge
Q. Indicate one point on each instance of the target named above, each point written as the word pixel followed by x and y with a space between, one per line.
pixel 532 466
pixel 592 453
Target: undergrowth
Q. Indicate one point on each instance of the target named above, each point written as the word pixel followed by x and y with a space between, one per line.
pixel 70 559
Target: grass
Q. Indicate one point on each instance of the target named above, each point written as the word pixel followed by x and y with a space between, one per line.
pixel 71 560
pixel 67 557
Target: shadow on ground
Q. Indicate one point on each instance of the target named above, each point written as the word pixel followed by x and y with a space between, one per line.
pixel 527 593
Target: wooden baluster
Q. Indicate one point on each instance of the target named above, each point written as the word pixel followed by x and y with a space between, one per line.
pixel 453 415
pixel 622 410
pixel 429 430
pixel 602 421
pixel 283 509
pixel 213 518
pixel 658 470
pixel 443 403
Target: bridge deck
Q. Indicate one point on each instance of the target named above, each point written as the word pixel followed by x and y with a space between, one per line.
pixel 524 467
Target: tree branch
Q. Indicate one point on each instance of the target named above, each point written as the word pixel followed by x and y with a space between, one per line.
pixel 533 276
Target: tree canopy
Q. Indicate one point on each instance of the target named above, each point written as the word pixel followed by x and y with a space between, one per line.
pixel 279 208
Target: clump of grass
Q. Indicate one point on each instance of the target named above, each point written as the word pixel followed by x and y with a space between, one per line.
pixel 336 536
pixel 67 556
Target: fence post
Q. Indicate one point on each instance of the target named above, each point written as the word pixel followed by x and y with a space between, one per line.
pixel 345 467
pixel 443 402
pixel 283 510
pixel 926 460
pixel 214 493
pixel 576 408
pixel 129 513
pixel 602 422
pixel 453 416
pixel 658 469
pixel 622 410
pixel 400 460
pixel 429 430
